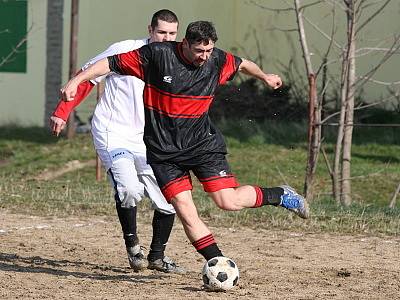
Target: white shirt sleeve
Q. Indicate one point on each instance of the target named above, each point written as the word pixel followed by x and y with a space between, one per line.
pixel 116 48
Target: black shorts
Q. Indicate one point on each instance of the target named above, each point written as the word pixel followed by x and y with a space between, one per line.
pixel 212 170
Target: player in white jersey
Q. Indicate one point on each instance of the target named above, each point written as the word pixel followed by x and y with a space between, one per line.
pixel 117 130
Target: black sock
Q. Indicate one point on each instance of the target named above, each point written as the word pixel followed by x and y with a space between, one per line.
pixel 162 226
pixel 272 196
pixel 127 218
pixel 210 251
pixel 207 247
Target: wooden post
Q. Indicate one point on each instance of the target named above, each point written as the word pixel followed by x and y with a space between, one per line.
pixel 393 201
pixel 313 140
pixel 311 108
pixel 73 50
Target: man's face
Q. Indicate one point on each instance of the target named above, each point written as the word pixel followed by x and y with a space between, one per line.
pixel 198 53
pixel 164 31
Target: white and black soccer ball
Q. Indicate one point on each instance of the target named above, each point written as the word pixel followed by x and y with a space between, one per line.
pixel 220 274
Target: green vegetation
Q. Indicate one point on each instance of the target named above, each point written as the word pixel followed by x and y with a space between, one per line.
pixel 272 154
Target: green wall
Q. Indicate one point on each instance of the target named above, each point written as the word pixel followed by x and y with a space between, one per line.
pixel 22 94
pixel 13 16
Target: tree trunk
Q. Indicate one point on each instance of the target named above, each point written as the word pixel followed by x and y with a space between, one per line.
pixel 349 116
pixel 314 132
pixel 54 47
pixel 314 138
pixel 336 182
pixel 73 57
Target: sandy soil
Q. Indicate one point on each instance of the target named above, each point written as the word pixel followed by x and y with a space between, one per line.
pixel 71 258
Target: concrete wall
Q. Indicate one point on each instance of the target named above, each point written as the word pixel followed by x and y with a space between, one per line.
pixel 104 22
pixel 243 28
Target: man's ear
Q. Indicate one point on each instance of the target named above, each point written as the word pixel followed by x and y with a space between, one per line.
pixel 149 29
pixel 185 43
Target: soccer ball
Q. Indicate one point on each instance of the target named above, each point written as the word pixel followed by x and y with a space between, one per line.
pixel 220 274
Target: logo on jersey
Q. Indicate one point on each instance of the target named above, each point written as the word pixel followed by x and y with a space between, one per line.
pixel 222 173
pixel 167 79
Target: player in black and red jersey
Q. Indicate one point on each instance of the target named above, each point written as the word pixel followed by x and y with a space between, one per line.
pixel 180 83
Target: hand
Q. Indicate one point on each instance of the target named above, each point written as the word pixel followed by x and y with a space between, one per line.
pixel 273 81
pixel 56 125
pixel 68 92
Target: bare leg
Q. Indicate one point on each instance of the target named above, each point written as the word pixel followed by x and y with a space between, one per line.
pixel 197 232
pixel 235 198
pixel 187 212
pixel 249 196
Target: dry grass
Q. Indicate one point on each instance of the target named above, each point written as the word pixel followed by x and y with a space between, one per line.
pixel 25 153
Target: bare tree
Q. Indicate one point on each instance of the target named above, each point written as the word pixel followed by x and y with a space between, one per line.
pixel 350 84
pixel 314 131
pixel 349 91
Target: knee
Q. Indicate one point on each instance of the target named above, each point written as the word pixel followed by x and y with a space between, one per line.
pixel 186 211
pixel 129 196
pixel 182 207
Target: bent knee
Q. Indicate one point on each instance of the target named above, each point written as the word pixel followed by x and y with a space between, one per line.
pixel 129 197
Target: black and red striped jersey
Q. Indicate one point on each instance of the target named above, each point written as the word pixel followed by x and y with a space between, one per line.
pixel 177 96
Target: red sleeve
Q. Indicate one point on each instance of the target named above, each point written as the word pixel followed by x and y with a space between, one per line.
pixel 64 108
pixel 229 68
pixel 128 64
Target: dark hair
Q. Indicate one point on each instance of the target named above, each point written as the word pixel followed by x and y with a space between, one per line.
pixel 201 31
pixel 163 15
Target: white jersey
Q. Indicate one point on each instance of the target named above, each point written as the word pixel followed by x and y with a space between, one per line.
pixel 118 120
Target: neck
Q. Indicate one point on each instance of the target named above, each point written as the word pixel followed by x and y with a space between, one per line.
pixel 185 52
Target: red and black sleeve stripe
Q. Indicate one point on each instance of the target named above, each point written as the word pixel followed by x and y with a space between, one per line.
pixel 127 64
pixel 229 68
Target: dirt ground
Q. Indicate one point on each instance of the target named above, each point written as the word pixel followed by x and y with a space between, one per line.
pixel 79 258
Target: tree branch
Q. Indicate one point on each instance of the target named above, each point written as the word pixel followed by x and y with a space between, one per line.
pixel 330 44
pixel 388 54
pixel 360 107
pixel 15 49
pixel 323 33
pixel 380 82
pixel 270 8
pixel 370 18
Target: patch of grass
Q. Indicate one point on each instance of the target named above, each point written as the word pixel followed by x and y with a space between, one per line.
pixel 265 157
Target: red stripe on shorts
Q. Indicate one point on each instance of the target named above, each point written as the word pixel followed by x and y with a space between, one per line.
pixel 217 183
pixel 174 187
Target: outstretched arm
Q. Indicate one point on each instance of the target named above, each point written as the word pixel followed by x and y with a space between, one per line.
pixel 60 115
pixel 250 68
pixel 69 91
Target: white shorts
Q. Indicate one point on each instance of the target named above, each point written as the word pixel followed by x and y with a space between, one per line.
pixel 132 178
